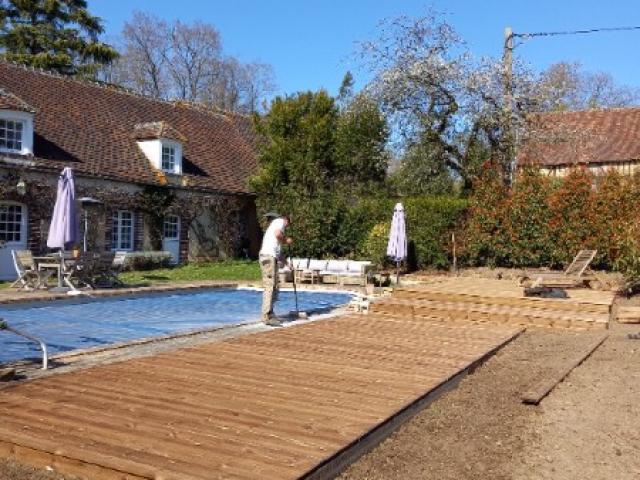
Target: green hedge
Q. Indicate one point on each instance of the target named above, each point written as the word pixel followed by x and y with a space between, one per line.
pixel 149 260
pixel 430 222
pixel 334 225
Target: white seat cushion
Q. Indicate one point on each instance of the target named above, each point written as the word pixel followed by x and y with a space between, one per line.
pixel 299 263
pixel 337 266
pixel 358 266
pixel 317 265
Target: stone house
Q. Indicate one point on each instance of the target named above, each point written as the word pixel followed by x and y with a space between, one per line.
pixel 162 175
pixel 599 140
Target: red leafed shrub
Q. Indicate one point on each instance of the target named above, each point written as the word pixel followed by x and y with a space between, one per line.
pixel 545 221
pixel 482 239
pixel 572 216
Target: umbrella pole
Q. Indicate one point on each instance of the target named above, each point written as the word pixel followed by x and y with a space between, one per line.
pixel 398 273
pixel 86 224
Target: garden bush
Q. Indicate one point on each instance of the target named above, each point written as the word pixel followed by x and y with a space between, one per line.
pixel 147 260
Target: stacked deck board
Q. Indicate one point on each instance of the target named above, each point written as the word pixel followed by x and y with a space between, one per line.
pixel 498 302
pixel 281 404
pixel 628 314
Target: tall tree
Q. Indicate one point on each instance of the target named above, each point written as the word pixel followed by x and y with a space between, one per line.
pixel 431 91
pixel 566 86
pixel 195 54
pixel 145 46
pixel 186 61
pixel 53 34
pixel 299 147
pixel 314 160
pixel 362 158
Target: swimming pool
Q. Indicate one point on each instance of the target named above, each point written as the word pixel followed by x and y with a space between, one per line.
pixel 70 325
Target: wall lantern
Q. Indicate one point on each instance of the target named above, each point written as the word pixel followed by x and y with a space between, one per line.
pixel 21 187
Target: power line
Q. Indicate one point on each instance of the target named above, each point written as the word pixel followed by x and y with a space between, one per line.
pixel 574 32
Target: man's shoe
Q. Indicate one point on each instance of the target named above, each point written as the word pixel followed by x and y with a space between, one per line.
pixel 272 322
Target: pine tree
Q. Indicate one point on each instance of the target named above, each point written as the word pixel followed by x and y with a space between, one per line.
pixel 56 35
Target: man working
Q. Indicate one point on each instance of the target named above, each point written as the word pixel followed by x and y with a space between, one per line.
pixel 273 238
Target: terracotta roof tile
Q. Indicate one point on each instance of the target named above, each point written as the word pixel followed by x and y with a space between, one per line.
pixel 90 128
pixel 9 101
pixel 157 130
pixel 582 137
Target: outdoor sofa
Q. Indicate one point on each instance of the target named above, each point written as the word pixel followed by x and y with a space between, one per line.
pixel 341 272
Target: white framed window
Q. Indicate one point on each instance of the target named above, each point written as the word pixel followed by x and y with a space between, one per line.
pixel 171 227
pixel 163 154
pixel 11 134
pixel 168 158
pixel 12 223
pixel 122 230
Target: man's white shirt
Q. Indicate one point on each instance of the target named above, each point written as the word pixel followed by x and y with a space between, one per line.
pixel 270 244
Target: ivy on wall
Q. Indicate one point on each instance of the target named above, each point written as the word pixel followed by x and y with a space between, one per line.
pixel 154 202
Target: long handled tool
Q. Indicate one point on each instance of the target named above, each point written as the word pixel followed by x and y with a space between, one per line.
pixel 298 313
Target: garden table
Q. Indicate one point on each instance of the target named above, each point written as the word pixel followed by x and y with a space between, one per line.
pixel 55 262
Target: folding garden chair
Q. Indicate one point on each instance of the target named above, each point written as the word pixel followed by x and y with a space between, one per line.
pixel 29 277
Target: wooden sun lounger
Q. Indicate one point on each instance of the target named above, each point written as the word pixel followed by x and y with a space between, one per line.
pixel 577 274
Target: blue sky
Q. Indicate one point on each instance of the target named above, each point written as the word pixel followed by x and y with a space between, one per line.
pixel 310 43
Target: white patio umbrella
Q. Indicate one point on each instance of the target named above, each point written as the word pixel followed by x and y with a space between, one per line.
pixel 397 246
pixel 63 230
pixel 64 223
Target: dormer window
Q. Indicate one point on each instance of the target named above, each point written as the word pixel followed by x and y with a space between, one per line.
pixel 168 159
pixel 11 134
pixel 162 145
pixel 16 124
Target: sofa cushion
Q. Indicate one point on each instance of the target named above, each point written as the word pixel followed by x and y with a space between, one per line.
pixel 358 266
pixel 317 264
pixel 299 263
pixel 337 266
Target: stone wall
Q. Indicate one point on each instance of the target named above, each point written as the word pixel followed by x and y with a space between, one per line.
pixel 212 226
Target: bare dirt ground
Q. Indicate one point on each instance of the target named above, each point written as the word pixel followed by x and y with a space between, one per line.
pixel 586 428
pixel 10 470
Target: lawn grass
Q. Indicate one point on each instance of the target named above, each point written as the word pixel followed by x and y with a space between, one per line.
pixel 230 270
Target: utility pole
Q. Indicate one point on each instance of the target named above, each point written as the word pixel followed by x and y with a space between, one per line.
pixel 507 60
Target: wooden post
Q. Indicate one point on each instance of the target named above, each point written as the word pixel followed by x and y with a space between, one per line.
pixel 455 260
pixel 507 59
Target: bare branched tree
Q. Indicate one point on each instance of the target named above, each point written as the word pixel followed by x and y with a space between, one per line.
pixel 145 46
pixel 566 86
pixel 193 59
pixel 186 62
pixel 259 82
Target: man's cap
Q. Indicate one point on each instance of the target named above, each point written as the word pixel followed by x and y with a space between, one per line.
pixel 271 215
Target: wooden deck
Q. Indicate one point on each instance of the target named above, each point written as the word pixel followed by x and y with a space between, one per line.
pixel 496 302
pixel 282 404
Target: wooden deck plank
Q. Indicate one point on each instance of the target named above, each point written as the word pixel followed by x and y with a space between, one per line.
pixel 498 302
pixel 271 406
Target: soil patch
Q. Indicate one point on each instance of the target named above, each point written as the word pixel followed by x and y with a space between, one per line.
pixel 482 429
pixel 10 470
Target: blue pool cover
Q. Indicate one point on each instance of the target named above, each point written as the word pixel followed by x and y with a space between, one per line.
pixel 70 325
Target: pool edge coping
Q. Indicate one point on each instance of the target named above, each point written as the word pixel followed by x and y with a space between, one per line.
pixel 52 297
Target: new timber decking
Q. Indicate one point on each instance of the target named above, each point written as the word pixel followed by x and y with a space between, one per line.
pixel 487 301
pixel 282 404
